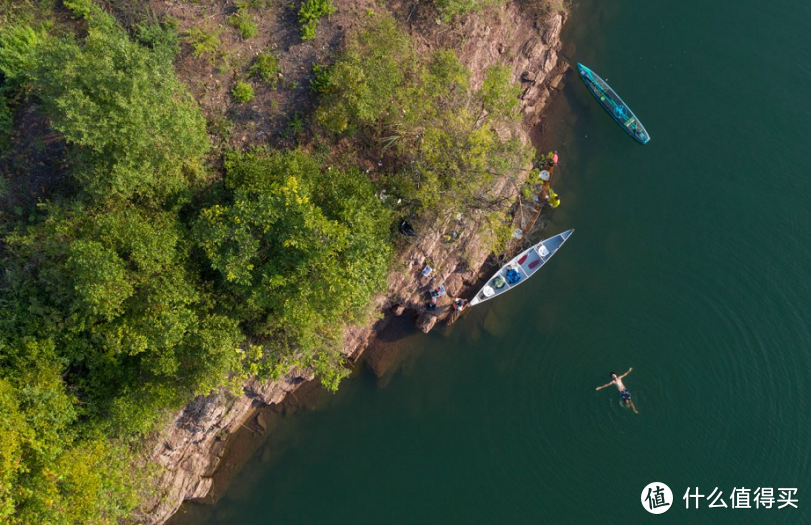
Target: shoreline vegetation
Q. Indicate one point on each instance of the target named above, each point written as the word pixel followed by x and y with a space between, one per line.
pixel 152 254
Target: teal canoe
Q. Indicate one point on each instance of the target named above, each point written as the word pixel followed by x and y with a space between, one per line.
pixel 612 103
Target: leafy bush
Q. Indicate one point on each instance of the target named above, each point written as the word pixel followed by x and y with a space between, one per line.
pixel 310 12
pixel 103 324
pixel 205 44
pixel 243 22
pixel 162 38
pixel 242 92
pixel 266 68
pixel 320 80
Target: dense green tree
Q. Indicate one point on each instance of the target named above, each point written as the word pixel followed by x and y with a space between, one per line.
pixel 299 249
pixel 48 475
pixel 133 127
pixel 112 287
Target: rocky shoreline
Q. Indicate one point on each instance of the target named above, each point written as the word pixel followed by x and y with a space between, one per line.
pixel 187 452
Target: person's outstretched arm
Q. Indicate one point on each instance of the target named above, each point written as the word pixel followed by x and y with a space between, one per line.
pixel 626 373
pixel 605 385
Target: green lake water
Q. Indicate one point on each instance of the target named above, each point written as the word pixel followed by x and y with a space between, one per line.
pixel 691 263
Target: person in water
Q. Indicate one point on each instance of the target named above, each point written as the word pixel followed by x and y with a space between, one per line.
pixel 624 394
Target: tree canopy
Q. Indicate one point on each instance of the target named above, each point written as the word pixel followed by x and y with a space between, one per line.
pixel 162 270
pixel 298 249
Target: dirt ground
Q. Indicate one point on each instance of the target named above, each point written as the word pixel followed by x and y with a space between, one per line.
pixel 275 116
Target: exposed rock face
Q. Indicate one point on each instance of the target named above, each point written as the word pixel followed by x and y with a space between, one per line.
pixel 189 450
pixel 508 36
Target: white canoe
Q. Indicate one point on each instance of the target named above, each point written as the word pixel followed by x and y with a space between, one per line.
pixel 521 267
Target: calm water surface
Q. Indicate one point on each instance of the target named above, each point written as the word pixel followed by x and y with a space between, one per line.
pixel 690 263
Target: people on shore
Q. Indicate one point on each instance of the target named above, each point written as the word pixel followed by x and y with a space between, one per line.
pixel 554 199
pixel 459 304
pixel 438 292
pixel 625 396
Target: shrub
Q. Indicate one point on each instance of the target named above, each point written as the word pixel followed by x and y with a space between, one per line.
pixel 266 68
pixel 205 44
pixel 310 12
pixel 162 38
pixel 242 92
pixel 499 95
pixel 243 22
pixel 320 80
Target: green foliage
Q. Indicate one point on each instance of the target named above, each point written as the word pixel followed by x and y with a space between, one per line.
pixel 18 47
pixel 266 68
pixel 83 8
pixel 310 12
pixel 450 141
pixel 48 472
pixel 499 95
pixel 100 279
pixel 140 284
pixel 243 22
pixel 296 125
pixel 132 125
pixel 19 44
pixel 6 124
pixel 162 38
pixel 222 128
pixel 205 44
pixel 449 9
pixel 242 92
pixel 111 288
pixel 370 80
pixel 299 251
pixel 320 80
pixel 104 323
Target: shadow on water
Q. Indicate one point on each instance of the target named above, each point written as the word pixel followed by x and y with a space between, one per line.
pixel 271 430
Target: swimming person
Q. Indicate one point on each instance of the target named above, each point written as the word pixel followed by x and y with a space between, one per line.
pixel 624 394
